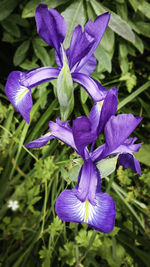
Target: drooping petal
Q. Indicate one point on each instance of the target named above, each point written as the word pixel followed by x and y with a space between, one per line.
pixel 62 133
pixel 79 46
pixel 117 129
pixel 42 141
pixel 51 26
pixel 19 95
pixel 94 30
pixel 129 161
pixel 69 208
pixel 19 84
pixel 90 66
pixel 83 133
pixel 100 217
pixel 97 93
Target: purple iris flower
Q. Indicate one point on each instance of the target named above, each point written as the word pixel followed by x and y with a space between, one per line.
pixel 52 27
pixel 86 203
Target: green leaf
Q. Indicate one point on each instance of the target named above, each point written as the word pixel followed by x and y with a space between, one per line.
pixel 117 24
pixel 7 6
pixel 134 95
pixel 108 40
pixel 107 166
pixel 74 172
pixel 11 27
pixel 73 15
pixel 64 84
pixel 27 64
pixel 55 3
pixel 139 44
pixel 29 9
pixel 143 155
pixel 143 28
pixel 20 53
pixel 144 7
pixel 84 95
pixel 41 53
pixel 103 57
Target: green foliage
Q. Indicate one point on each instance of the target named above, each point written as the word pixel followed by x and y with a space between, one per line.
pixel 33 235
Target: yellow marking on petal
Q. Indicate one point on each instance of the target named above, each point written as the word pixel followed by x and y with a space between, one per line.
pixel 86 216
pixel 100 103
pixel 22 94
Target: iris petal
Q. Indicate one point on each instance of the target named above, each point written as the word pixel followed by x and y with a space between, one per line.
pixel 42 141
pixel 62 132
pixel 19 95
pixel 51 26
pixel 129 161
pixel 19 84
pixel 97 93
pixel 94 30
pixel 100 217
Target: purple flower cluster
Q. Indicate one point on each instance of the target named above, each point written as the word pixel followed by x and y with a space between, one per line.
pixel 84 203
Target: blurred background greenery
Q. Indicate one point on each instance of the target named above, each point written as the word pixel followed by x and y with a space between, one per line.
pixel 32 235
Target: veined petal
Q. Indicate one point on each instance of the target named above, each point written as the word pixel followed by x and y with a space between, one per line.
pixel 79 46
pixel 19 84
pixel 90 66
pixel 42 141
pixel 127 148
pixel 109 108
pixel 89 182
pixel 83 133
pixel 97 93
pixel 102 111
pixel 117 129
pixel 51 26
pixel 94 30
pixel 38 76
pixel 62 133
pixel 19 95
pixel 100 217
pixel 129 161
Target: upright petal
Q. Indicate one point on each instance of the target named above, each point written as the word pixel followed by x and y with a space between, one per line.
pixel 109 108
pixel 129 161
pixel 19 84
pixel 94 89
pixel 51 26
pixel 118 128
pixel 100 217
pixel 90 66
pixel 94 30
pixel 62 133
pixel 89 182
pixel 83 133
pixel 79 46
pixel 102 111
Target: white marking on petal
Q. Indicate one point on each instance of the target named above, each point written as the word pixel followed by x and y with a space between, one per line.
pixel 21 93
